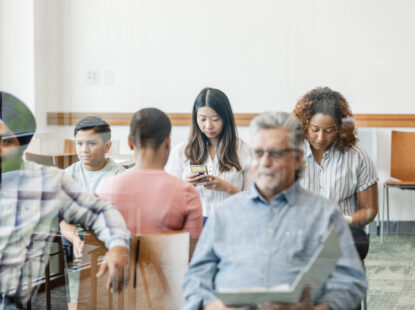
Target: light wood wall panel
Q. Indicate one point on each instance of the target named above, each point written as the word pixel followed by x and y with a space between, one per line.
pixel 242 119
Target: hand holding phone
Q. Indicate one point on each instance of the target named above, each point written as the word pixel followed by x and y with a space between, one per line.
pixel 198 174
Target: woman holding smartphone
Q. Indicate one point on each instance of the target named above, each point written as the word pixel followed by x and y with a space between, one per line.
pixel 213 143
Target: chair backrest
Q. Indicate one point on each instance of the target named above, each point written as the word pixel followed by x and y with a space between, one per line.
pixel 157 265
pixel 162 263
pixel 69 146
pixel 403 156
pixel 58 160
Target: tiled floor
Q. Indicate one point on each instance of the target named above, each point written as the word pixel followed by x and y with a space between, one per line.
pixel 390 268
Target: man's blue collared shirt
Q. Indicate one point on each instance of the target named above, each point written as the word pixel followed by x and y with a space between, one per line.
pixel 249 242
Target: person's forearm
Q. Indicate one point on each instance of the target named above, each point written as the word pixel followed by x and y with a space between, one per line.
pixel 367 202
pixel 231 190
pixel 341 299
pixel 110 228
pixel 321 307
pixel 94 213
pixel 68 231
pixel 363 216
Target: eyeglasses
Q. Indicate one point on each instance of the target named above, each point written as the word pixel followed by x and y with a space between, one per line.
pixel 273 154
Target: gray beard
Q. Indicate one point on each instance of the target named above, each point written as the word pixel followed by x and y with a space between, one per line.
pixel 269 185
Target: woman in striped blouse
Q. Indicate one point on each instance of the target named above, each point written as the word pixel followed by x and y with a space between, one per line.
pixel 337 167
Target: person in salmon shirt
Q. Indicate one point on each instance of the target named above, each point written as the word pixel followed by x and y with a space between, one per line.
pixel 151 200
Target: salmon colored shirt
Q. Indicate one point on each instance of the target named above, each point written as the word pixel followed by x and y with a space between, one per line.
pixel 152 201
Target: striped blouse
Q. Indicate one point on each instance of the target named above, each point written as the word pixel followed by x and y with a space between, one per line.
pixel 179 166
pixel 340 176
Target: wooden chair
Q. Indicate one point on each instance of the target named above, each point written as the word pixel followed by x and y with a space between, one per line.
pixel 92 291
pixel 58 160
pixel 69 146
pixel 162 262
pixel 156 268
pixel 402 169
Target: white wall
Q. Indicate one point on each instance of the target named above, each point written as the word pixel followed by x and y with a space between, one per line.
pixel 17 49
pixel 263 54
pixel 46 59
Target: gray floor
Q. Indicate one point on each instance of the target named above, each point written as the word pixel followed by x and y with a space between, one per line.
pixel 390 268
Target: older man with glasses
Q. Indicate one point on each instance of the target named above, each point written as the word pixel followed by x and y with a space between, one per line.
pixel 265 236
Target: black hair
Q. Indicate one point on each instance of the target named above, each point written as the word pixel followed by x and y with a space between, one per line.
pixel 197 147
pixel 97 124
pixel 149 127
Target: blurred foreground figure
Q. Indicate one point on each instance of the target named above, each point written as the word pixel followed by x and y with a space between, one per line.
pixel 33 200
pixel 265 236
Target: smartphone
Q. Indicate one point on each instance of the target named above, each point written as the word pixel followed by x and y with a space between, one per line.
pixel 201 169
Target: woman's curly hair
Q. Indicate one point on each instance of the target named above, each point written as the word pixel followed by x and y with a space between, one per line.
pixel 323 100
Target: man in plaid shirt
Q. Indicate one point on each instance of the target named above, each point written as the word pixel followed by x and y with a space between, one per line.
pixel 33 200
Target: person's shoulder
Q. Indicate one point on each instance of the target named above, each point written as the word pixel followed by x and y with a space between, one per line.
pixel 179 183
pixel 305 197
pixel 302 194
pixel 359 152
pixel 185 187
pixel 74 167
pixel 125 176
pixel 54 177
pixel 357 149
pixel 112 165
pixel 235 202
pixel 116 182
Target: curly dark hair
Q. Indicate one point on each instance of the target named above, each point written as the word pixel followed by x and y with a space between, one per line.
pixel 323 100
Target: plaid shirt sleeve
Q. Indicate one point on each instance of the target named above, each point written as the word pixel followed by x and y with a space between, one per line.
pixel 94 213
